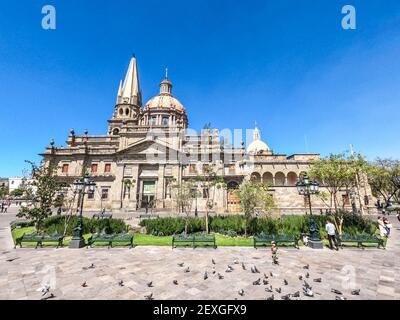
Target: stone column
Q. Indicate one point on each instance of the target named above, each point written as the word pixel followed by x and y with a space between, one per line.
pixel 134 190
pixel 160 187
pixel 116 190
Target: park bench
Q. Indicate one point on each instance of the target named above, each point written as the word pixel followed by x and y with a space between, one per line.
pixel 361 240
pixel 193 240
pixel 102 216
pixel 40 239
pixel 111 240
pixel 263 240
pixel 149 216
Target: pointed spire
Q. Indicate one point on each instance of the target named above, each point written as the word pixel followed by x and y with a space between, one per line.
pixel 130 90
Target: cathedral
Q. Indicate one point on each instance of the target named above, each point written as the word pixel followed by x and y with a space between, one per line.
pixel 148 148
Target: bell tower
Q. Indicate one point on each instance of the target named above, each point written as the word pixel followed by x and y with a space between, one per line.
pixel 128 106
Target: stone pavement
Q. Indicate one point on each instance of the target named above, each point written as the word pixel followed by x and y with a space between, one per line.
pixel 375 272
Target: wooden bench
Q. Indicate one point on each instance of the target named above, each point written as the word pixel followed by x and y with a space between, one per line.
pixel 112 240
pixel 193 239
pixel 102 216
pixel 262 240
pixel 39 239
pixel 360 240
pixel 149 216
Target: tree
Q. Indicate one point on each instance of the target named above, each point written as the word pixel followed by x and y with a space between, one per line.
pixel 184 194
pixel 338 172
pixel 383 177
pixel 209 180
pixel 254 196
pixel 3 193
pixel 47 186
pixel 16 193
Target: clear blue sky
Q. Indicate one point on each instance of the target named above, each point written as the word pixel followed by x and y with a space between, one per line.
pixel 286 64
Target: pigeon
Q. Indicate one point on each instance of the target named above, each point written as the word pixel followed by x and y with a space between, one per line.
pixel 256 270
pixel 356 292
pixel 340 298
pixel 220 277
pixel 300 278
pixel 279 290
pixel 271 298
pixel 149 297
pixel 175 282
pixel 213 261
pixel 319 280
pixel 214 272
pixel 307 275
pixel 286 297
pixel 257 282
pixel 243 266
pixel 51 296
pixel 84 285
pixel 269 289
pixel 205 276
pixel 121 283
pixel 296 294
pixel 44 290
pixel 306 285
pixel 187 270
pixel 92 266
pixel 285 282
pixel 265 276
pixel 181 265
pixel 336 292
pixel 230 268
pixel 241 292
pixel 306 267
pixel 150 284
pixel 236 262
pixel 265 282
pixel 252 270
pixel 271 274
pixel 308 292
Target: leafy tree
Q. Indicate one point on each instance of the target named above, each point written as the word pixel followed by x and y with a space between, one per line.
pixel 17 193
pixel 47 186
pixel 184 194
pixel 254 196
pixel 209 180
pixel 3 193
pixel 383 177
pixel 338 172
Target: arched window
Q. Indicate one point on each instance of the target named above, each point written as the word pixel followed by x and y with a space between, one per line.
pixel 280 179
pixel 256 177
pixel 121 112
pixel 268 178
pixel 127 112
pixel 292 179
pixel 116 132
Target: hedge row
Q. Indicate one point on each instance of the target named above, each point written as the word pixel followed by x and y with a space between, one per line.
pixel 236 225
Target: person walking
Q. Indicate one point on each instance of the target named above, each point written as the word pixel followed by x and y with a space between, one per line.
pixel 2 207
pixel 274 252
pixel 331 230
pixel 382 228
pixel 388 225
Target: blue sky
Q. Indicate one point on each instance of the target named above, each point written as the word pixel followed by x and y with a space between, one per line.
pixel 310 85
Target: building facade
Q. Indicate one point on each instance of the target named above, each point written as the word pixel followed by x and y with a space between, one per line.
pixel 148 149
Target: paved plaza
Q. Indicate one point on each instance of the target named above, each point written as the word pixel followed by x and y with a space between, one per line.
pixel 24 271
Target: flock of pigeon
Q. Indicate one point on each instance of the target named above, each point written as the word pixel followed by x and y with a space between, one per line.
pixel 307 289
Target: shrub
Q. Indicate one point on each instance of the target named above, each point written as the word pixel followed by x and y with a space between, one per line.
pixel 57 224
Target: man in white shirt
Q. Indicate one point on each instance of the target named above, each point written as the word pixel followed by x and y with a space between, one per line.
pixel 331 230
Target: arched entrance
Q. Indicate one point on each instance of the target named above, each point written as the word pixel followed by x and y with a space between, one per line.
pixel 233 199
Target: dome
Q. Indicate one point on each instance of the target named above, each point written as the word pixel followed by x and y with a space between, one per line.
pixel 166 101
pixel 257 145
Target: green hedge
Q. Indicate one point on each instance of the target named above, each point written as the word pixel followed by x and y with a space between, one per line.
pixel 57 224
pixel 235 225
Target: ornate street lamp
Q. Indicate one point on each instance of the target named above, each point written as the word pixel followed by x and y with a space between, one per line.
pixel 82 186
pixel 306 188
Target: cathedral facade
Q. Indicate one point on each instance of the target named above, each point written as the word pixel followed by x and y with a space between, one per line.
pixel 148 149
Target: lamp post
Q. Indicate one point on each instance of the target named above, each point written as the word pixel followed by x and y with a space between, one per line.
pixel 82 186
pixel 306 188
pixel 195 195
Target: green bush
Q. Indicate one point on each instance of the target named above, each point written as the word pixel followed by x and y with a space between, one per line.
pixel 235 225
pixel 57 224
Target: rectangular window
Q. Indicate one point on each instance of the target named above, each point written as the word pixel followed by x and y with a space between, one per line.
pixel 192 168
pixel 205 193
pixel 107 168
pixel 65 168
pixel 91 195
pixel 95 166
pixel 165 121
pixel 104 194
